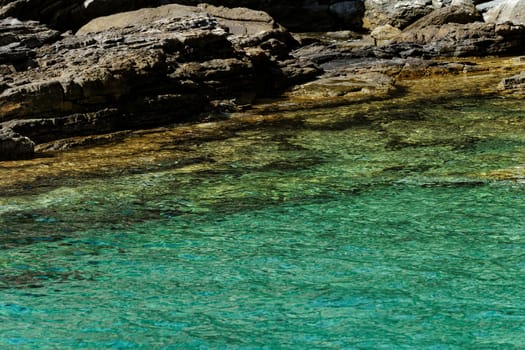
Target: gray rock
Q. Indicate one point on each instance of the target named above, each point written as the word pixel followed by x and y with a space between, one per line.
pixel 459 40
pixel 67 14
pixel 396 13
pixel 512 11
pixel 14 146
pixel 487 5
pixel 463 3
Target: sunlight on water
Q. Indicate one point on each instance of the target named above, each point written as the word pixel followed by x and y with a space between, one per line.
pixel 399 228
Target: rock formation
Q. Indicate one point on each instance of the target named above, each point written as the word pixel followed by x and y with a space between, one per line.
pixel 296 15
pixel 398 14
pixel 514 85
pixel 458 31
pixel 180 62
pixel 14 146
pixel 18 42
pixel 148 67
pixel 305 15
pixel 505 11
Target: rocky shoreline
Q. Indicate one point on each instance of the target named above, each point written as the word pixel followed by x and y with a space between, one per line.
pixel 171 63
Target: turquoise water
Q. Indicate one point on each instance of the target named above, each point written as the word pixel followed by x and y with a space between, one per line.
pixel 388 227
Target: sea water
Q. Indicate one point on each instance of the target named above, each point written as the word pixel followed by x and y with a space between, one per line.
pixel 386 227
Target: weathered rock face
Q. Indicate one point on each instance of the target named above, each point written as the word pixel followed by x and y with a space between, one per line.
pixel 442 16
pixel 456 30
pixel 305 15
pixel 396 13
pixel 401 14
pixel 153 66
pixel 452 31
pixel 506 11
pixel 297 15
pixel 15 146
pixel 457 39
pixel 18 42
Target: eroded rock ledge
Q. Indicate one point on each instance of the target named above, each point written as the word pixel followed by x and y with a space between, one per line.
pixel 148 67
pixel 178 63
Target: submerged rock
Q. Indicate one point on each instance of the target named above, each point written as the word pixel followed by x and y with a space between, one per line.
pixel 513 85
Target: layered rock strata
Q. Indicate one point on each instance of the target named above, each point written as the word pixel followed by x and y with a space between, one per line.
pixel 452 31
pixel 153 66
pixel 18 42
pixel 297 15
pixel 305 15
pixel 178 63
pixel 458 31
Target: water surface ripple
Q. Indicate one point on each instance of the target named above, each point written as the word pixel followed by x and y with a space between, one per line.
pixel 402 231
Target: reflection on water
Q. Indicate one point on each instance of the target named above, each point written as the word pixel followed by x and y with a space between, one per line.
pixel 395 224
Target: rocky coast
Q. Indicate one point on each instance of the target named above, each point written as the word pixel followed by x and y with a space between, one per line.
pixel 86 72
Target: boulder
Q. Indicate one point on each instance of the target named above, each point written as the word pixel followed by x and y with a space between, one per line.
pixel 396 13
pixel 240 22
pixel 510 11
pixel 14 146
pixel 384 33
pixel 450 14
pixel 485 6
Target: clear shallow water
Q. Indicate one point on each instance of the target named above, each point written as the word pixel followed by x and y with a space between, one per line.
pixel 392 226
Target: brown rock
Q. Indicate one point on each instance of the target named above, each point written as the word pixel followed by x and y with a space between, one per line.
pixel 149 67
pixel 384 33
